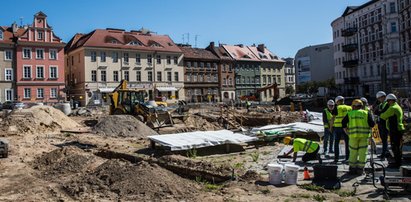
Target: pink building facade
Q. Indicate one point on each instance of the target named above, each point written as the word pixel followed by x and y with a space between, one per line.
pixel 39 63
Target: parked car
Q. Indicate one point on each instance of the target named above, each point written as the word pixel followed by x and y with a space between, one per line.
pixel 8 105
pixel 13 105
pixel 19 105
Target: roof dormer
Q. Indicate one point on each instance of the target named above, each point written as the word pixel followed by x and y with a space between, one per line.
pixel 40 20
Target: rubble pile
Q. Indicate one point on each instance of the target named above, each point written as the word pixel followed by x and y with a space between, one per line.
pixel 122 126
pixel 37 120
pixel 199 123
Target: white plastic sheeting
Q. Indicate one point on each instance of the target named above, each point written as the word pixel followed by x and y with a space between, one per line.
pixel 293 127
pixel 198 139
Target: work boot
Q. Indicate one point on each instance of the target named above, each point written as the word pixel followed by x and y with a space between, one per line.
pixel 352 171
pixel 331 152
pixel 360 171
pixel 319 159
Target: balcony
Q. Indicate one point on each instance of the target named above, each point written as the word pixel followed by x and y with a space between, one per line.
pixel 350 47
pixel 349 31
pixel 350 63
pixel 352 80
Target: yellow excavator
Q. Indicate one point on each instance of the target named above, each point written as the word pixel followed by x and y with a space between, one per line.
pixel 131 102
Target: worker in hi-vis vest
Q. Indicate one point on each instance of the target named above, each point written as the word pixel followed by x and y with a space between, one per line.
pixel 339 112
pixel 394 116
pixel 365 104
pixel 357 124
pixel 310 148
pixel 380 107
pixel 328 135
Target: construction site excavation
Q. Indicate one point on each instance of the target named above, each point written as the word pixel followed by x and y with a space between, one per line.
pixel 207 152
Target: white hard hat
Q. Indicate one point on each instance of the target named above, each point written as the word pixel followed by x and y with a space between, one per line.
pixel 330 102
pixel 391 97
pixel 380 94
pixel 364 100
pixel 338 98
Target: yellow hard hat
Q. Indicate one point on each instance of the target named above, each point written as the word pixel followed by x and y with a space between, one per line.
pixel 357 102
pixel 287 140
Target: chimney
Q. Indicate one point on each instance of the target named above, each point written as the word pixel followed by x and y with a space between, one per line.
pixel 261 48
pixel 212 45
pixel 14 28
pixel 240 45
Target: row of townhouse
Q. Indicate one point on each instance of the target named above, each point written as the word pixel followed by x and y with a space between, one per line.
pixel 97 61
pixel 372 48
pixel 37 66
pixel 31 63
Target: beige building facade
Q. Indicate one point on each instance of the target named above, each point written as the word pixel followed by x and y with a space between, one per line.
pixel 7 76
pixel 147 61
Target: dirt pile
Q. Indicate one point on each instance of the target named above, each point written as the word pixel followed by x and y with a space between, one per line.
pixel 67 160
pixel 199 123
pixel 122 126
pixel 116 179
pixel 261 119
pixel 37 120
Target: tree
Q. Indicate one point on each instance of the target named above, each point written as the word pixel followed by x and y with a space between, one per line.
pixel 289 90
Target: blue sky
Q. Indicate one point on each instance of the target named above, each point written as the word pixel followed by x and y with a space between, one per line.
pixel 284 26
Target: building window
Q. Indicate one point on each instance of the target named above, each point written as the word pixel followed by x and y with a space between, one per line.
pixel 53 54
pixel 93 75
pixel 127 75
pixel 8 55
pixel 53 93
pixel 1 35
pixel 27 93
pixel 53 73
pixel 138 59
pixel 9 94
pixel 8 74
pixel 176 76
pixel 27 72
pixel 115 57
pixel 168 76
pixel 125 56
pixel 138 75
pixel 93 56
pixel 115 75
pixel 40 54
pixel 40 72
pixel 26 53
pixel 150 76
pixel 103 75
pixel 175 60
pixel 392 7
pixel 149 59
pixel 102 56
pixel 158 76
pixel 168 60
pixel 158 59
pixel 39 35
pixel 40 93
pixel 230 81
pixel 224 81
pixel 393 27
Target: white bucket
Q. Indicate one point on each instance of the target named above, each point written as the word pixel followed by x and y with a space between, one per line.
pixel 275 173
pixel 291 174
pixel 64 107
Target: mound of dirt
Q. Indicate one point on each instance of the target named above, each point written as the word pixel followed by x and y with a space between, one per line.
pixel 117 179
pixel 122 126
pixel 199 123
pixel 37 120
pixel 66 160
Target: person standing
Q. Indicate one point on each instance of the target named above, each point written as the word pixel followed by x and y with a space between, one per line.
pixel 339 113
pixel 381 107
pixel 248 105
pixel 395 126
pixel 328 127
pixel 357 124
pixel 365 104
pixel 311 149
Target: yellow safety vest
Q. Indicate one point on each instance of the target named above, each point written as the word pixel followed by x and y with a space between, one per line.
pixel 358 124
pixel 342 112
pixel 300 144
pixel 329 116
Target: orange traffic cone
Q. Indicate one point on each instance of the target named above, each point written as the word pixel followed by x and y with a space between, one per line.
pixel 306 174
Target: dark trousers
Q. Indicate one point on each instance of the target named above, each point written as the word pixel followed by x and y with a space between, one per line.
pixel 382 129
pixel 328 138
pixel 311 156
pixel 396 146
pixel 338 134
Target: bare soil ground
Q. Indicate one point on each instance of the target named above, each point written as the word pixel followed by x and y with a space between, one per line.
pixel 50 166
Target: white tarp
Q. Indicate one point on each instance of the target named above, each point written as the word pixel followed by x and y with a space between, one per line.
pixel 293 127
pixel 198 139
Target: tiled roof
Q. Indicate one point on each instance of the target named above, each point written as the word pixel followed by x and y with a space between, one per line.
pixel 7 34
pixel 240 53
pixel 219 51
pixel 121 39
pixel 264 54
pixel 197 53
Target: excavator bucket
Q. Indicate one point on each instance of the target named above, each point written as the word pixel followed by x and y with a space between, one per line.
pixel 160 119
